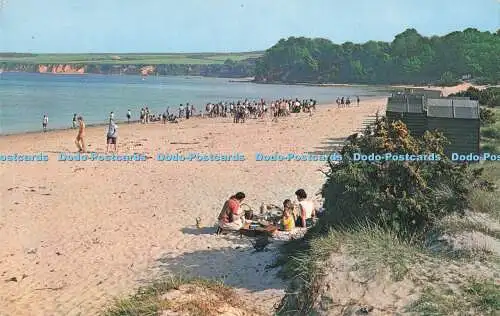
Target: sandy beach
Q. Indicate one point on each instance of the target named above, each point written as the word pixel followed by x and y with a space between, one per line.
pixel 77 234
pixel 446 91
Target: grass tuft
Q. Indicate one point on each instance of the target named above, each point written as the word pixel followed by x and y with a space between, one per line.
pixel 476 297
pixel 150 300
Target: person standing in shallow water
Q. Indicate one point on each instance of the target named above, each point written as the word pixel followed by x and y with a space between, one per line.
pixel 188 109
pixel 74 120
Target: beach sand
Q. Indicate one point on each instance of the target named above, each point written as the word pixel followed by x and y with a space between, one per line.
pixel 76 234
pixel 446 91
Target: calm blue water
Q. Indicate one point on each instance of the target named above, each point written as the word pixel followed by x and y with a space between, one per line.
pixel 24 97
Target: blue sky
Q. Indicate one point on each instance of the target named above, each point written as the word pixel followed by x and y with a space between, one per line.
pixel 121 26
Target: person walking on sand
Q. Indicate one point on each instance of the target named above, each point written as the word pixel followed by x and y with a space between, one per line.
pixel 129 116
pixel 45 121
pixel 79 141
pixel 188 109
pixel 357 100
pixel 111 135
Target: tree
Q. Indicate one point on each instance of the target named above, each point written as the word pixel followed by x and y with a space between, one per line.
pixel 409 58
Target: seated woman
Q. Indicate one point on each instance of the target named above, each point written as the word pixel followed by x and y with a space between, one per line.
pixel 306 210
pixel 230 217
pixel 288 221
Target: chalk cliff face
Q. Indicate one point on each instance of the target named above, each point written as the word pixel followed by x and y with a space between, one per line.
pixel 61 68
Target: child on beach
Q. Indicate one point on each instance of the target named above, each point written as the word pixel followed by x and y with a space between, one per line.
pixel 287 222
pixel 80 143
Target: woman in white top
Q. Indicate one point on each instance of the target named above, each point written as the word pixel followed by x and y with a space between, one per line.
pixel 306 209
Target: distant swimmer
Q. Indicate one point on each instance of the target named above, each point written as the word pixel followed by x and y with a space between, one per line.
pixel 79 141
pixel 45 121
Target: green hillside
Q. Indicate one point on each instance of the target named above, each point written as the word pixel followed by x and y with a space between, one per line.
pixel 126 59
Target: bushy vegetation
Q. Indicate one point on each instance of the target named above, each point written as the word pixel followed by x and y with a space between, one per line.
pixel 489 97
pixel 489 201
pixel 407 196
pixel 487 116
pixel 386 214
pixel 409 58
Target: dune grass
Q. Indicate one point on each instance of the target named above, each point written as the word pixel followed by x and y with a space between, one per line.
pixel 482 201
pixel 476 297
pixel 150 300
pixel 372 247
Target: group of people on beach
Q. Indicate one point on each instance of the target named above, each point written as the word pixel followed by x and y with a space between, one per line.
pixel 346 102
pixel 301 214
pixel 239 110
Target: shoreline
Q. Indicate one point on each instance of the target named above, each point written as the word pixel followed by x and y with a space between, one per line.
pixel 52 130
pixel 252 80
pixel 137 121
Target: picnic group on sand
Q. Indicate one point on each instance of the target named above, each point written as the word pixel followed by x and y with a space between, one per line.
pixel 302 214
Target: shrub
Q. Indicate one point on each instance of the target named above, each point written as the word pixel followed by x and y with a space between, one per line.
pixel 487 116
pixel 488 97
pixel 407 196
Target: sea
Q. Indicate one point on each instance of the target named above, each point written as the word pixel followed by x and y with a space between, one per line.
pixel 26 97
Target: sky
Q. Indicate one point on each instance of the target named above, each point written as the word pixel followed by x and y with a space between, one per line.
pixel 132 26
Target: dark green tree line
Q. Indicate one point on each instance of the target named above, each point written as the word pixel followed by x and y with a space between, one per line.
pixel 409 58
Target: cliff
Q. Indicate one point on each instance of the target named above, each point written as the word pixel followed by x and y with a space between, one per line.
pixel 56 69
pixel 230 69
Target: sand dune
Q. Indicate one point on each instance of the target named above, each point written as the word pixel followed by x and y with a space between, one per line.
pixel 75 234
